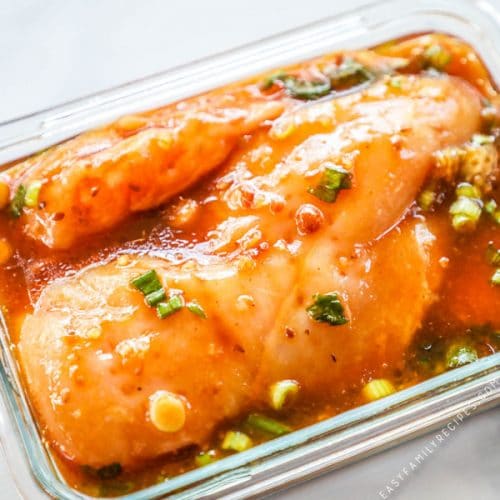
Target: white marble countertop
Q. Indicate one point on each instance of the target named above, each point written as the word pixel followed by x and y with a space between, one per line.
pixel 57 50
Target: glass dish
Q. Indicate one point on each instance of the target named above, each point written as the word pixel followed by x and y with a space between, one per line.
pixel 334 442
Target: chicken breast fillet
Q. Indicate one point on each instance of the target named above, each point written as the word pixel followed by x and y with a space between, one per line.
pixel 96 180
pixel 94 354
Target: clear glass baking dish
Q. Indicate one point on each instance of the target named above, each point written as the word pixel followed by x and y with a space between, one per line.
pixel 334 442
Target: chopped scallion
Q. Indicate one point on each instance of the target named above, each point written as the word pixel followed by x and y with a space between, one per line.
pixel 298 87
pixel 283 392
pixel 396 82
pixel 153 298
pixel 174 304
pixel 266 424
pixel 460 355
pixel 482 139
pixel 462 223
pixel 107 472
pixel 32 192
pixel 236 441
pixel 468 190
pixel 436 57
pixel 17 202
pixel 147 282
pixel 195 308
pixel 272 79
pixel 493 254
pixel 349 73
pixel 378 388
pixel 334 179
pixel 479 164
pixel 495 278
pixel 305 89
pixel 491 208
pixel 204 458
pixel 327 308
pixel 465 213
pixel 426 199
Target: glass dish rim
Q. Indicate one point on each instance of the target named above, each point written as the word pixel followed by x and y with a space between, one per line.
pixel 58 123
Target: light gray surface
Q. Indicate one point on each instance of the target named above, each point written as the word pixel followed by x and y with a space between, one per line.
pixel 57 50
pixel 464 466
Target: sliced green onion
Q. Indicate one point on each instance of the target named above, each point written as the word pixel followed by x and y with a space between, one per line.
pixel 334 179
pixel 298 87
pixel 283 392
pixel 460 355
pixel 236 441
pixel 396 82
pixel 462 223
pixel 450 159
pixel 479 163
pixel 147 282
pixel 378 388
pixel 305 89
pixel 495 278
pixel 426 199
pixel 204 458
pixel 174 304
pixel 153 298
pixel 465 213
pixel 31 196
pixel 195 308
pixel 493 254
pixel 436 57
pixel 110 471
pixel 327 308
pixel 272 79
pixel 349 74
pixel 482 139
pixel 491 208
pixel 17 202
pixel 468 190
pixel 266 424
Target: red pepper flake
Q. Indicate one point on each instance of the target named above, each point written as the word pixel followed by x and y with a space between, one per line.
pixel 238 348
pixel 134 188
pixel 247 197
pixel 289 332
pixel 334 358
pixel 277 205
pixel 58 216
pixel 307 331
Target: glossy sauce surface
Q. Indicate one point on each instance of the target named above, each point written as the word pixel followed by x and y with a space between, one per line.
pixel 215 194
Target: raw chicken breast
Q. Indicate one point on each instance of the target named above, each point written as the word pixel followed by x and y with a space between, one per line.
pixel 94 354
